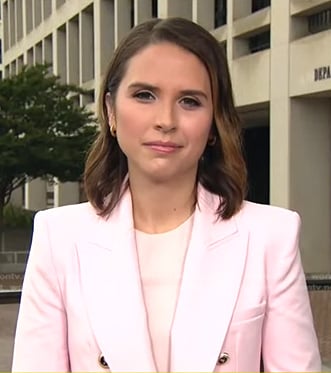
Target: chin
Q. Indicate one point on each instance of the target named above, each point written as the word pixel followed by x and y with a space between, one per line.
pixel 167 176
pixel 159 178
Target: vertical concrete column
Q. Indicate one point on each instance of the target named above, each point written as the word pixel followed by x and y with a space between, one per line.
pixel 12 23
pixel 47 9
pixel 4 28
pixel 20 63
pixel 280 104
pixel 122 19
pixel 38 53
pixel 17 197
pixel 142 11
pixel 175 8
pixel 104 38
pixel 29 57
pixel 73 66
pixel 54 7
pixel 60 53
pixel 229 28
pixel 37 13
pixel 19 18
pixel 60 68
pixel 28 16
pixel 66 193
pixel 48 49
pixel 35 195
pixel 24 17
pixel 203 13
pixel 310 178
pixel 86 45
pixel 5 25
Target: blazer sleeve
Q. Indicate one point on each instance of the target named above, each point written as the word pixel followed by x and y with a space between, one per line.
pixel 41 334
pixel 289 339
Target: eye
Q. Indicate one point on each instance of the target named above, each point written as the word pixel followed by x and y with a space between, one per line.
pixel 144 96
pixel 190 102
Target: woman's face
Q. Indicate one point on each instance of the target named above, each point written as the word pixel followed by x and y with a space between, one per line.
pixel 163 111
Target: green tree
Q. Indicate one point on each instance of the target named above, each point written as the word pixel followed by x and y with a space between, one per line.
pixel 43 131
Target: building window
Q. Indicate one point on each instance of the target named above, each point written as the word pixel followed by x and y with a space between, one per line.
pixel 259 4
pixel 154 8
pixel 320 21
pixel 132 13
pixel 259 42
pixel 220 13
pixel 257 154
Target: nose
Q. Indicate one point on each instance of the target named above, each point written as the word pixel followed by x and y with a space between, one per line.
pixel 166 117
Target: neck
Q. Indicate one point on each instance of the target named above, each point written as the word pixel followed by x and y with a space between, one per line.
pixel 160 207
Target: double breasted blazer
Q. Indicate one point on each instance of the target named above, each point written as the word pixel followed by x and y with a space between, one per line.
pixel 243 294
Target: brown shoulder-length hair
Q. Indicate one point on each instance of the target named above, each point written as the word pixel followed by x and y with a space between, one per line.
pixel 221 170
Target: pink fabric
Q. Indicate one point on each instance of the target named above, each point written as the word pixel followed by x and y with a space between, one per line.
pixel 161 258
pixel 242 289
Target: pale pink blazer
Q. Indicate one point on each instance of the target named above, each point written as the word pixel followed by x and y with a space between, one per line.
pixel 243 291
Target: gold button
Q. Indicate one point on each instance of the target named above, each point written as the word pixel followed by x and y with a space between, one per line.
pixel 102 362
pixel 223 358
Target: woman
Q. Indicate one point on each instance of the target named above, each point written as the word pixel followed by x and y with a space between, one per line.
pixel 167 268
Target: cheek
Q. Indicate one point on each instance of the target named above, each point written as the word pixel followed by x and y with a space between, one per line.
pixel 131 118
pixel 130 130
pixel 199 130
pixel 128 124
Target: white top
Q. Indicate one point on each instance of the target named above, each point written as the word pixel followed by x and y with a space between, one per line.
pixel 161 261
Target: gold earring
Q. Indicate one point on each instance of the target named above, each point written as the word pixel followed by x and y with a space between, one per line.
pixel 113 127
pixel 212 141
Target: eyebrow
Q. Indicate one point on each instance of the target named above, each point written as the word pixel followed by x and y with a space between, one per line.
pixel 150 87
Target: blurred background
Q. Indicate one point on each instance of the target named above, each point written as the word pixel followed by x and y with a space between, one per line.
pixel 280 63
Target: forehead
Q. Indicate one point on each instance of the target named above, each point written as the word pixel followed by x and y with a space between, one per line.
pixel 167 63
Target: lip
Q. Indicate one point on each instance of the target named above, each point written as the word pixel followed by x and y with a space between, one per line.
pixel 165 147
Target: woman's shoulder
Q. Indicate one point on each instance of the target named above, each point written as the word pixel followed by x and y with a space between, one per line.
pixel 68 214
pixel 268 218
pixel 263 210
pixel 249 212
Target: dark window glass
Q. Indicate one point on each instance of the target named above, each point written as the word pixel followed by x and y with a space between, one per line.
pixel 220 13
pixel 320 21
pixel 259 42
pixel 257 149
pixel 154 8
pixel 132 13
pixel 259 4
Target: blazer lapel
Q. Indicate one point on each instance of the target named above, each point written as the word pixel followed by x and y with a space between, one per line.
pixel 112 290
pixel 113 295
pixel 210 285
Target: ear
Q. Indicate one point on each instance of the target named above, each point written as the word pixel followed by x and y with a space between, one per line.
pixel 212 133
pixel 110 107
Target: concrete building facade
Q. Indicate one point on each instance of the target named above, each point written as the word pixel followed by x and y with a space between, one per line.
pixel 280 62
